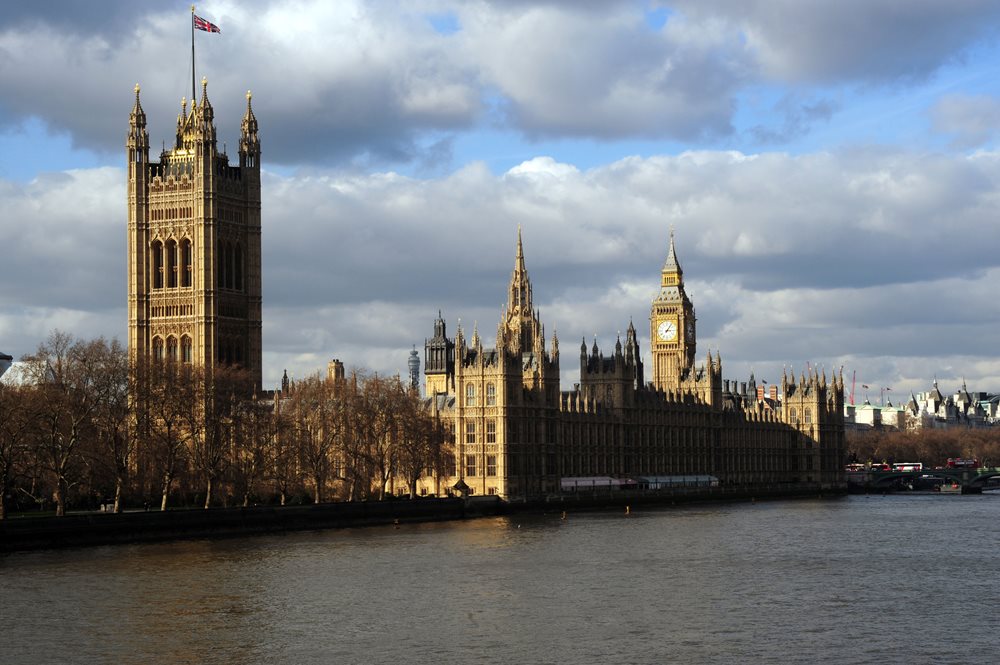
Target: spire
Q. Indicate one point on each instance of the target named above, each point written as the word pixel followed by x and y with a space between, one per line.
pixel 671 264
pixel 248 137
pixel 138 116
pixel 583 346
pixel 205 104
pixel 520 286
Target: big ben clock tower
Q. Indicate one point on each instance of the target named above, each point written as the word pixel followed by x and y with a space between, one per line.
pixel 671 326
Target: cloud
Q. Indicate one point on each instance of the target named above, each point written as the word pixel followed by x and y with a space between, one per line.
pixel 867 41
pixel 561 71
pixel 367 83
pixel 863 255
pixel 971 120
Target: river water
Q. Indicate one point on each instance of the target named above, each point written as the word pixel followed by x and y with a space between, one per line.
pixel 862 579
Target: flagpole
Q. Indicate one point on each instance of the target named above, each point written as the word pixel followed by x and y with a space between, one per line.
pixel 192 58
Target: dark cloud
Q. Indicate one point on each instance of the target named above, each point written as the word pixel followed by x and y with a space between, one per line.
pixel 857 40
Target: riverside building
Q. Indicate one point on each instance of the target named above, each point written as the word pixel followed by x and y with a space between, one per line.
pixel 194 262
pixel 518 435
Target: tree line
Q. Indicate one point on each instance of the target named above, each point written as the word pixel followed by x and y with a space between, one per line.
pixel 930 446
pixel 82 425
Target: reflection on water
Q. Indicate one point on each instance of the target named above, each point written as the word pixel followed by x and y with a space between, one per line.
pixel 861 579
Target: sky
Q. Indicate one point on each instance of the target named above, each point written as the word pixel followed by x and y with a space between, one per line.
pixel 831 170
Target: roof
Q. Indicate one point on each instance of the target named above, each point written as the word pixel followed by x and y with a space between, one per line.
pixel 16 375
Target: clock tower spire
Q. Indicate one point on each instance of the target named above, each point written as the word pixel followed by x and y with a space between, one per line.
pixel 671 326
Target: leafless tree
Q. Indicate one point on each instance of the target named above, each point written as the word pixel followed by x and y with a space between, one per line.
pixel 168 406
pixel 16 419
pixel 253 454
pixel 317 419
pixel 223 393
pixel 115 427
pixel 64 374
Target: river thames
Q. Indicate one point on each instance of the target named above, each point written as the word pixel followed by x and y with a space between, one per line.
pixel 861 579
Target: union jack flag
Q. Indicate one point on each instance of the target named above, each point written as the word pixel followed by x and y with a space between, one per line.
pixel 202 24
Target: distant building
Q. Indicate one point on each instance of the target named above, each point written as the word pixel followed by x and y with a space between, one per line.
pixel 413 364
pixel 931 409
pixel 5 363
pixel 516 434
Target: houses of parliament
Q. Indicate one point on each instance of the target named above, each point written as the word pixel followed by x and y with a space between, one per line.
pixel 194 295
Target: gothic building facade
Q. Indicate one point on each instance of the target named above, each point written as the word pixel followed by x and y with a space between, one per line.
pixel 518 435
pixel 194 259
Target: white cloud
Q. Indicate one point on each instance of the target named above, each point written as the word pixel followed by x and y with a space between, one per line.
pixel 872 255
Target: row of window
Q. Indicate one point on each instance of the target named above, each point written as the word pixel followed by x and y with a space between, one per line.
pixel 806 415
pixel 231 351
pixel 470 394
pixel 491 432
pixel 159 214
pixel 171 349
pixel 471 468
pixel 173 264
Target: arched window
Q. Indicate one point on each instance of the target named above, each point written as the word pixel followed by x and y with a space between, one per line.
pixel 470 394
pixel 158 348
pixel 185 263
pixel 171 256
pixel 238 268
pixel 792 416
pixel 807 415
pixel 157 251
pixel 186 349
pixel 172 348
pixel 230 272
pixel 491 394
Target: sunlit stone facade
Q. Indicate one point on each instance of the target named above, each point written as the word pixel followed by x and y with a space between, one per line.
pixel 194 266
pixel 517 435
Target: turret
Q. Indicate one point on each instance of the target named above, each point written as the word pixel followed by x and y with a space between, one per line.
pixel 138 138
pixel 249 141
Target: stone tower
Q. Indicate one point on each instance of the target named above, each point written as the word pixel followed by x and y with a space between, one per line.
pixel 671 326
pixel 194 266
pixel 413 365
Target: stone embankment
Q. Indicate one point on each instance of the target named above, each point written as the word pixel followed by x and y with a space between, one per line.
pixel 78 530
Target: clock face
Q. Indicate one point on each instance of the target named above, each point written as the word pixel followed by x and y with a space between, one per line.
pixel 666 331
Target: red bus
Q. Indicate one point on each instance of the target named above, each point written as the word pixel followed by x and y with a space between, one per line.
pixel 962 463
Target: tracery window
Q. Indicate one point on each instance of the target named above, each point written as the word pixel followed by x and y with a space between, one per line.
pixel 491 394
pixel 157 251
pixel 170 249
pixel 470 394
pixel 185 268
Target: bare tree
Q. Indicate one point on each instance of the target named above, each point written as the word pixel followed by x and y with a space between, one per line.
pixel 63 372
pixel 283 470
pixel 381 399
pixel 167 403
pixel 223 392
pixel 16 420
pixel 422 439
pixel 254 453
pixel 317 419
pixel 115 431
